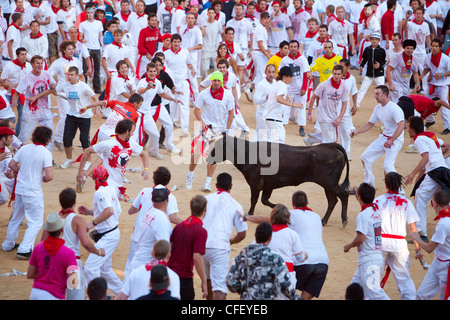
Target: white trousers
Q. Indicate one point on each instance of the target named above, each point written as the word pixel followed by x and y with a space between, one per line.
pixel 29 123
pixel 289 112
pixel 32 209
pixel 375 150
pixel 367 82
pixel 424 194
pixel 261 130
pixel 329 132
pixel 277 131
pixel 96 266
pixel 260 62
pixel 399 263
pixel 344 130
pixel 442 93
pixel 131 251
pixel 181 110
pixel 368 275
pixel 435 281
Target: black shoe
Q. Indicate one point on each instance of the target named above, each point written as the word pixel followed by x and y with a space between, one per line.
pixel 429 124
pixel 446 131
pixel 24 256
pixel 301 131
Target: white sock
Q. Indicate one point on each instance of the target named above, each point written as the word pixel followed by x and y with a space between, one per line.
pixel 190 174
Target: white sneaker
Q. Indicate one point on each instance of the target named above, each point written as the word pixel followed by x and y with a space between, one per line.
pixel 184 133
pixel 175 150
pixel 189 181
pixel 68 163
pixel 156 155
pixel 58 145
pixel 411 149
pixel 206 186
pixel 86 165
pixel 307 142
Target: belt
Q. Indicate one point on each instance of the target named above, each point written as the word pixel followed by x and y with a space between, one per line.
pixel 103 233
pixel 391 236
pixel 274 120
pixel 388 137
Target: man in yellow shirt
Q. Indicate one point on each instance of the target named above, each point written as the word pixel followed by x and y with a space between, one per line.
pixel 324 65
pixel 276 58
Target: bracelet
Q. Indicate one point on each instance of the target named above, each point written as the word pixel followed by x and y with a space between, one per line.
pixel 146 169
pixel 85 108
pixel 245 217
pixel 309 113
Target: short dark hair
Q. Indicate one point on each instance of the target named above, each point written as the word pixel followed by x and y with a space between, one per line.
pixel 224 181
pixel 175 36
pixel 438 41
pixel 161 176
pixel 383 89
pixel 299 199
pixel 324 26
pixel 19 50
pixel 67 198
pixel 284 43
pixel 120 63
pixel 339 67
pixel 354 292
pixel 97 288
pixel 263 232
pixel 223 61
pixel 73 69
pixel 229 29
pixel 42 135
pixel 264 15
pixel 393 181
pixel 391 3
pixel 416 123
pixel 198 204
pixel 135 98
pixel 366 193
pixel 346 62
pixel 124 126
pixel 442 198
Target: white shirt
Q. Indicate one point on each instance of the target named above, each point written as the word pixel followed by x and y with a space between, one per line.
pixel 339 32
pixel 150 94
pixel 212 37
pixel 400 75
pixel 91 32
pixel 115 159
pixel 15 73
pixel 435 156
pixel 113 54
pixel 178 16
pixel 260 34
pixel 274 109
pixel 136 284
pixel 119 85
pixel 12 34
pixel 60 67
pixel 177 62
pixel 330 100
pixel 154 226
pixel 78 96
pixel 286 242
pixel 396 212
pixel 5 112
pixel 390 115
pixel 144 203
pixel 215 112
pixel 308 226
pixel 66 18
pixel 300 24
pixel 443 67
pixel 441 236
pixel 418 32
pixel 106 197
pixel 350 83
pixel 278 29
pixel 242 31
pixel 368 222
pixel 134 26
pixel 261 94
pixel 298 66
pixel 222 216
pixel 33 159
pixel 36 46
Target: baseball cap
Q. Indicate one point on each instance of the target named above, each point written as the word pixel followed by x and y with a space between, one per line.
pixel 159 277
pixel 376 35
pixel 160 194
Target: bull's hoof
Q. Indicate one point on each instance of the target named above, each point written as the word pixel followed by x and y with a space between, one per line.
pixel 250 213
pixel 344 223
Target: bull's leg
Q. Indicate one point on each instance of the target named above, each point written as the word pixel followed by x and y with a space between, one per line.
pixel 332 200
pixel 253 199
pixel 266 196
pixel 344 202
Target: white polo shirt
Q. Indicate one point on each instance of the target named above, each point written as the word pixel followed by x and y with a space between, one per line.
pixel 368 222
pixel 113 54
pixel 390 115
pixel 106 197
pixel 148 95
pixel 435 156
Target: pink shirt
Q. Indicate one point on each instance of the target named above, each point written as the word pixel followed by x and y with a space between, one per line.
pixel 52 270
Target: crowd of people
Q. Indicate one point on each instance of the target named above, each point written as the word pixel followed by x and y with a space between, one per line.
pixel 141 65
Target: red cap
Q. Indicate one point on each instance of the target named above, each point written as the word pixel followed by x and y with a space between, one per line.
pixel 166 35
pixel 5 131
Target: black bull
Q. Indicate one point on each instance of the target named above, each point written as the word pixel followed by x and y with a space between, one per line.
pixel 267 166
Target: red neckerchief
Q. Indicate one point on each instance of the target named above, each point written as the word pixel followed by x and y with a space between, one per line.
pixel 373 205
pixel 125 16
pixel 117 44
pixel 245 3
pixel 258 9
pixel 55 9
pixel 63 9
pixel 239 19
pixel 296 57
pixel 230 46
pixel 251 18
pixel 218 94
pixel 342 22
pixel 16 62
pixel 322 41
pixel 429 2
pixel 66 211
pixel 309 10
pixel 279 55
pixel 36 36
pixel 436 59
pixel 311 35
pixel 35 6
pixel 303 208
pixel 283 10
pixel 2 150
pixel 332 56
pixel 63 56
pixel 277 227
pixel 430 135
pixel 53 244
pixel 20 11
pixel 174 51
pixel 16 26
pixel 40 144
pixel 419 23
pixel 364 19
pixel 188 28
pixel 334 84
pixel 149 80
pixel 153 263
pixel 217 16
pixel 345 77
pixel 299 10
pixel 220 190
pixel 140 15
pixel 407 60
pixel 126 78
pixel 124 144
pixel 443 214
pixel 169 9
pixel 179 8
pixel 191 221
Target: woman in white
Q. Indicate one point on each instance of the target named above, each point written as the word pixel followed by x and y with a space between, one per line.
pixel 278 96
pixel 66 18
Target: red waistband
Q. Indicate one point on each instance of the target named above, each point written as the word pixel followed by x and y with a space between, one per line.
pixel 391 236
pixel 290 266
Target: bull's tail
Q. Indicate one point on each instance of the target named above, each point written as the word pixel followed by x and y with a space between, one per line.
pixel 343 189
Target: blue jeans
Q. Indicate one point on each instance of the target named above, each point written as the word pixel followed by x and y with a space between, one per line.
pixel 19 114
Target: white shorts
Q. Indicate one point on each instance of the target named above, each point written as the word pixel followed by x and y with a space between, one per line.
pixel 216 268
